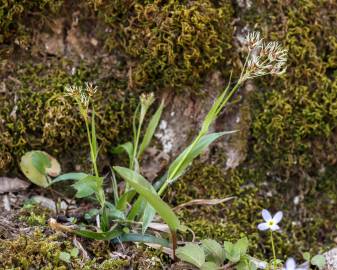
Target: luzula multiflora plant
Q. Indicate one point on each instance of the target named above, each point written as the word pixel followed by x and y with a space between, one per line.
pixel 91 183
pixel 262 59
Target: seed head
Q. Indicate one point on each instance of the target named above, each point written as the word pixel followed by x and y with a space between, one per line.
pixel 253 40
pixel 264 58
pixel 147 99
pixel 91 90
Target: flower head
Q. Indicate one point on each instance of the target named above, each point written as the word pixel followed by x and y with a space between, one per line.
pixel 270 222
pixel 80 93
pixel 91 89
pixel 264 58
pixel 291 265
pixel 253 40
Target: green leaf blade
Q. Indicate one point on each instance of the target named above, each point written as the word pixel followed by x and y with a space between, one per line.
pixel 145 189
pixel 151 128
pixel 214 250
pixel 191 253
pixel 319 261
pixel 99 235
pixel 180 164
pixel 69 176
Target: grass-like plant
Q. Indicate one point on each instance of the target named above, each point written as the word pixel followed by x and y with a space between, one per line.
pixel 137 203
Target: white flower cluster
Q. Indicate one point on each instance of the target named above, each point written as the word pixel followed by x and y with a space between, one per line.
pixel 83 94
pixel 264 58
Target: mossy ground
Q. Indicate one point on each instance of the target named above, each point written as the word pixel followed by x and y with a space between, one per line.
pixel 41 249
pixel 291 162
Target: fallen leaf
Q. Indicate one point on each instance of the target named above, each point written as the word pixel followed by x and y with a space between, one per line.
pixel 203 202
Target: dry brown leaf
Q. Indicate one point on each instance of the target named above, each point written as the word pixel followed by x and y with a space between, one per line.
pixel 203 202
pixel 53 224
pixel 159 227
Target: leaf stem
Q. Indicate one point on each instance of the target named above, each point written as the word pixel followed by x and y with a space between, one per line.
pixel 273 248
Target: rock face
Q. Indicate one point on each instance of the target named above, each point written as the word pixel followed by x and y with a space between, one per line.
pixel 331 259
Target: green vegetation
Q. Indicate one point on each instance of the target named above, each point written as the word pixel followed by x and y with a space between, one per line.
pixel 175 45
pixel 42 251
pixel 239 217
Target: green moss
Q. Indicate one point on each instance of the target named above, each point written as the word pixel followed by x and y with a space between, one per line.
pixel 36 115
pixel 36 250
pixel 14 14
pixel 294 123
pixel 170 43
pixel 292 151
pixel 39 250
pixel 34 214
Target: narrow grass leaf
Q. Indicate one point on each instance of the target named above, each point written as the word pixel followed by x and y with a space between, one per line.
pixel 151 128
pixel 147 217
pixel 180 164
pixel 127 147
pixel 145 189
pixel 134 237
pixel 99 235
pixel 69 176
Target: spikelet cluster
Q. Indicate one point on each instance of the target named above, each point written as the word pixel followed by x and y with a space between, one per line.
pixel 264 57
pixel 82 94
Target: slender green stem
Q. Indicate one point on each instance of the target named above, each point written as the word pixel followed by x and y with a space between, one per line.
pixel 204 130
pixel 273 248
pixel 100 193
pixel 197 139
pixel 135 148
pixel 171 175
pixel 92 154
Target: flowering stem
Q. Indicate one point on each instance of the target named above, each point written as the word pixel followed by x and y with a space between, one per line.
pixel 273 248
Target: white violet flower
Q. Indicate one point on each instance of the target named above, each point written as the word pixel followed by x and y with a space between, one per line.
pixel 270 222
pixel 291 265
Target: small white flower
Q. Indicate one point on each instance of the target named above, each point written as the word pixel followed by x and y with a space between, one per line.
pixel 291 265
pixel 270 222
pixel 84 99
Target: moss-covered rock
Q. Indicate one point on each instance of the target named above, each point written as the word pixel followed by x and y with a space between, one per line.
pixel 169 43
pixel 14 14
pixel 36 114
pixel 295 120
